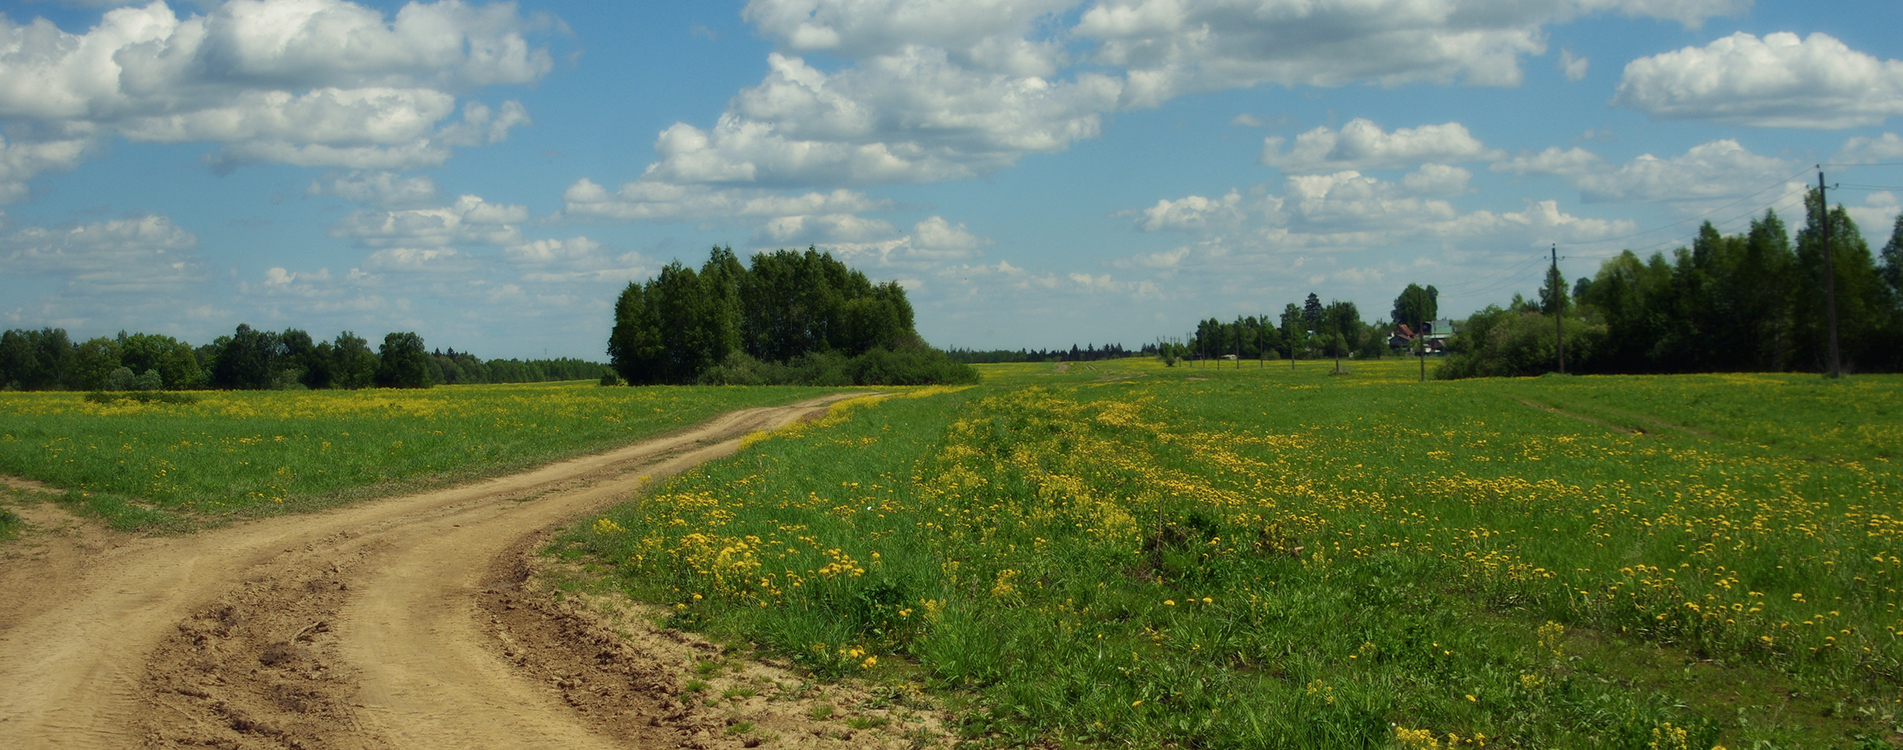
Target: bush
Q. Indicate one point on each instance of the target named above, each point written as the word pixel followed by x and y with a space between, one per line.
pixel 150 381
pixel 609 379
pixel 120 379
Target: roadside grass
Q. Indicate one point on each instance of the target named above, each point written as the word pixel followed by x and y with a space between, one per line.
pixel 1251 557
pixel 172 467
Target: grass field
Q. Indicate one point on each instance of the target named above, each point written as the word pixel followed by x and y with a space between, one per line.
pixel 1126 554
pixel 175 466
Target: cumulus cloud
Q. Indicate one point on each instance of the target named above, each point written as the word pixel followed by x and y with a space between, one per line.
pixel 1719 169
pixel 1194 213
pixel 653 200
pixel 469 220
pixel 1362 145
pixel 1868 149
pixel 1778 81
pixel 308 82
pixel 914 116
pixel 1709 171
pixel 1171 48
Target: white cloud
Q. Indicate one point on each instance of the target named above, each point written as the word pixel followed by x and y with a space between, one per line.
pixel 140 266
pixel 1437 179
pixel 1876 217
pixel 822 228
pixel 913 116
pixel 1571 162
pixel 22 159
pixel 1709 171
pixel 469 220
pixel 1194 213
pixel 652 200
pixel 1246 120
pixel 1350 201
pixel 1777 81
pixel 1574 68
pixel 1361 145
pixel 376 188
pixel 308 82
pixel 1719 169
pixel 1868 149
pixel 414 259
pixel 1172 47
pixel 987 34
pixel 930 243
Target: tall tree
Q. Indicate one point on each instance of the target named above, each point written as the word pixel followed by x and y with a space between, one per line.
pixel 403 362
pixel 353 365
pixel 1416 305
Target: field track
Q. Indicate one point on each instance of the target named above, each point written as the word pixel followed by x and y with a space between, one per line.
pixel 393 623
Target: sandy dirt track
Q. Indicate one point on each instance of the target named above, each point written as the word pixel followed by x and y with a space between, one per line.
pixel 390 624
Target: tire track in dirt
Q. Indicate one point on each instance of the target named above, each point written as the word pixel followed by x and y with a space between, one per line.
pixel 357 627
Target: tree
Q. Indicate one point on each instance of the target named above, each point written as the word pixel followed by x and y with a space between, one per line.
pixel 246 360
pixel 177 364
pixel 635 347
pixel 1312 312
pixel 1866 325
pixel 353 365
pixel 403 362
pixel 1416 305
pixel 93 362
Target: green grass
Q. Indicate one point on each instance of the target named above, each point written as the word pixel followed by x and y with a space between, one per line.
pixel 176 466
pixel 1132 554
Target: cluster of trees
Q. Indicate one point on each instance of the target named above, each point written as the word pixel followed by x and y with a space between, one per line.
pixel 1728 303
pixel 253 359
pixel 789 317
pixel 1308 331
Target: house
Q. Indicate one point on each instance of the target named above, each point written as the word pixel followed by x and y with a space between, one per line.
pixel 1433 336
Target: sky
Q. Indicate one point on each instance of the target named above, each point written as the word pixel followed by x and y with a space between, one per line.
pixel 1036 173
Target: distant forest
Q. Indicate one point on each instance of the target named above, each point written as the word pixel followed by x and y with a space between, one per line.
pixel 251 359
pixel 1749 302
pixel 788 318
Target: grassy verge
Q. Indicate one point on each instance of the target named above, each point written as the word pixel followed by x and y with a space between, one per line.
pixel 172 466
pixel 1253 557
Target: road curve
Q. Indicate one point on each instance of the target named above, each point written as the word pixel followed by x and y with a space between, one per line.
pixel 355 627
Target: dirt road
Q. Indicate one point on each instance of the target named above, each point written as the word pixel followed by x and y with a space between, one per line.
pixel 390 624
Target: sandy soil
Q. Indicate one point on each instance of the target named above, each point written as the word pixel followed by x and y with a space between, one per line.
pixel 415 622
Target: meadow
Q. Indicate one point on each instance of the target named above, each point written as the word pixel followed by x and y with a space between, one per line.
pixel 1123 554
pixel 175 466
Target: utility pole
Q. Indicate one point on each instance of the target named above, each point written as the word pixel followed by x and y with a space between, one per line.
pixel 1830 277
pixel 1559 310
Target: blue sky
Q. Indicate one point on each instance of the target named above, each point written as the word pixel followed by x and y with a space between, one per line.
pixel 1036 172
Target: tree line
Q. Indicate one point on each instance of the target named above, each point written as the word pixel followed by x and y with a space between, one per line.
pixel 1311 330
pixel 1087 353
pixel 787 317
pixel 254 359
pixel 1750 302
